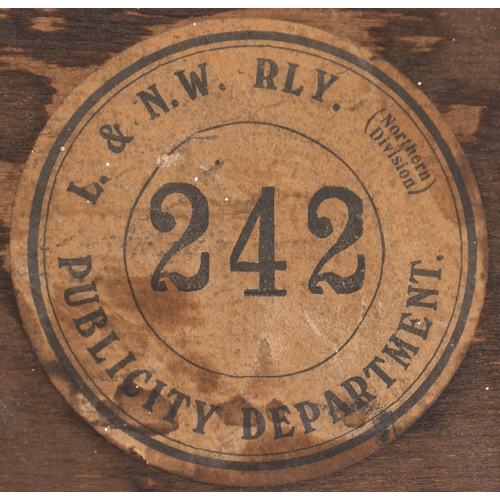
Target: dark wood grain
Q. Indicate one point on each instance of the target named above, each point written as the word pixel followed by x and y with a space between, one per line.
pixel 456 57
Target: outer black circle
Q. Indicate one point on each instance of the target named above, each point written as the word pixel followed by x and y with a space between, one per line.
pixel 388 418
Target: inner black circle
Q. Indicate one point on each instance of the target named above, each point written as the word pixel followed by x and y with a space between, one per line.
pixel 150 326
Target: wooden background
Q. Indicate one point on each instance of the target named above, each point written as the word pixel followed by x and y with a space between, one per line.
pixel 455 55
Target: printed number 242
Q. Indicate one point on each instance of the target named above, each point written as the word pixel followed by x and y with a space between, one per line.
pixel 267 265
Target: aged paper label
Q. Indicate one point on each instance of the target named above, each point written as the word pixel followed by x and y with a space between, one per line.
pixel 248 252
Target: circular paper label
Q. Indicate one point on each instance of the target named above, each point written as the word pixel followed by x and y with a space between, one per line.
pixel 248 252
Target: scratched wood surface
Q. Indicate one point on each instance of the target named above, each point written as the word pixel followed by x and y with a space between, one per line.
pixel 455 55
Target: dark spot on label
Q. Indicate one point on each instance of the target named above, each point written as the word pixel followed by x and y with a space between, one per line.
pixel 275 403
pixel 230 412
